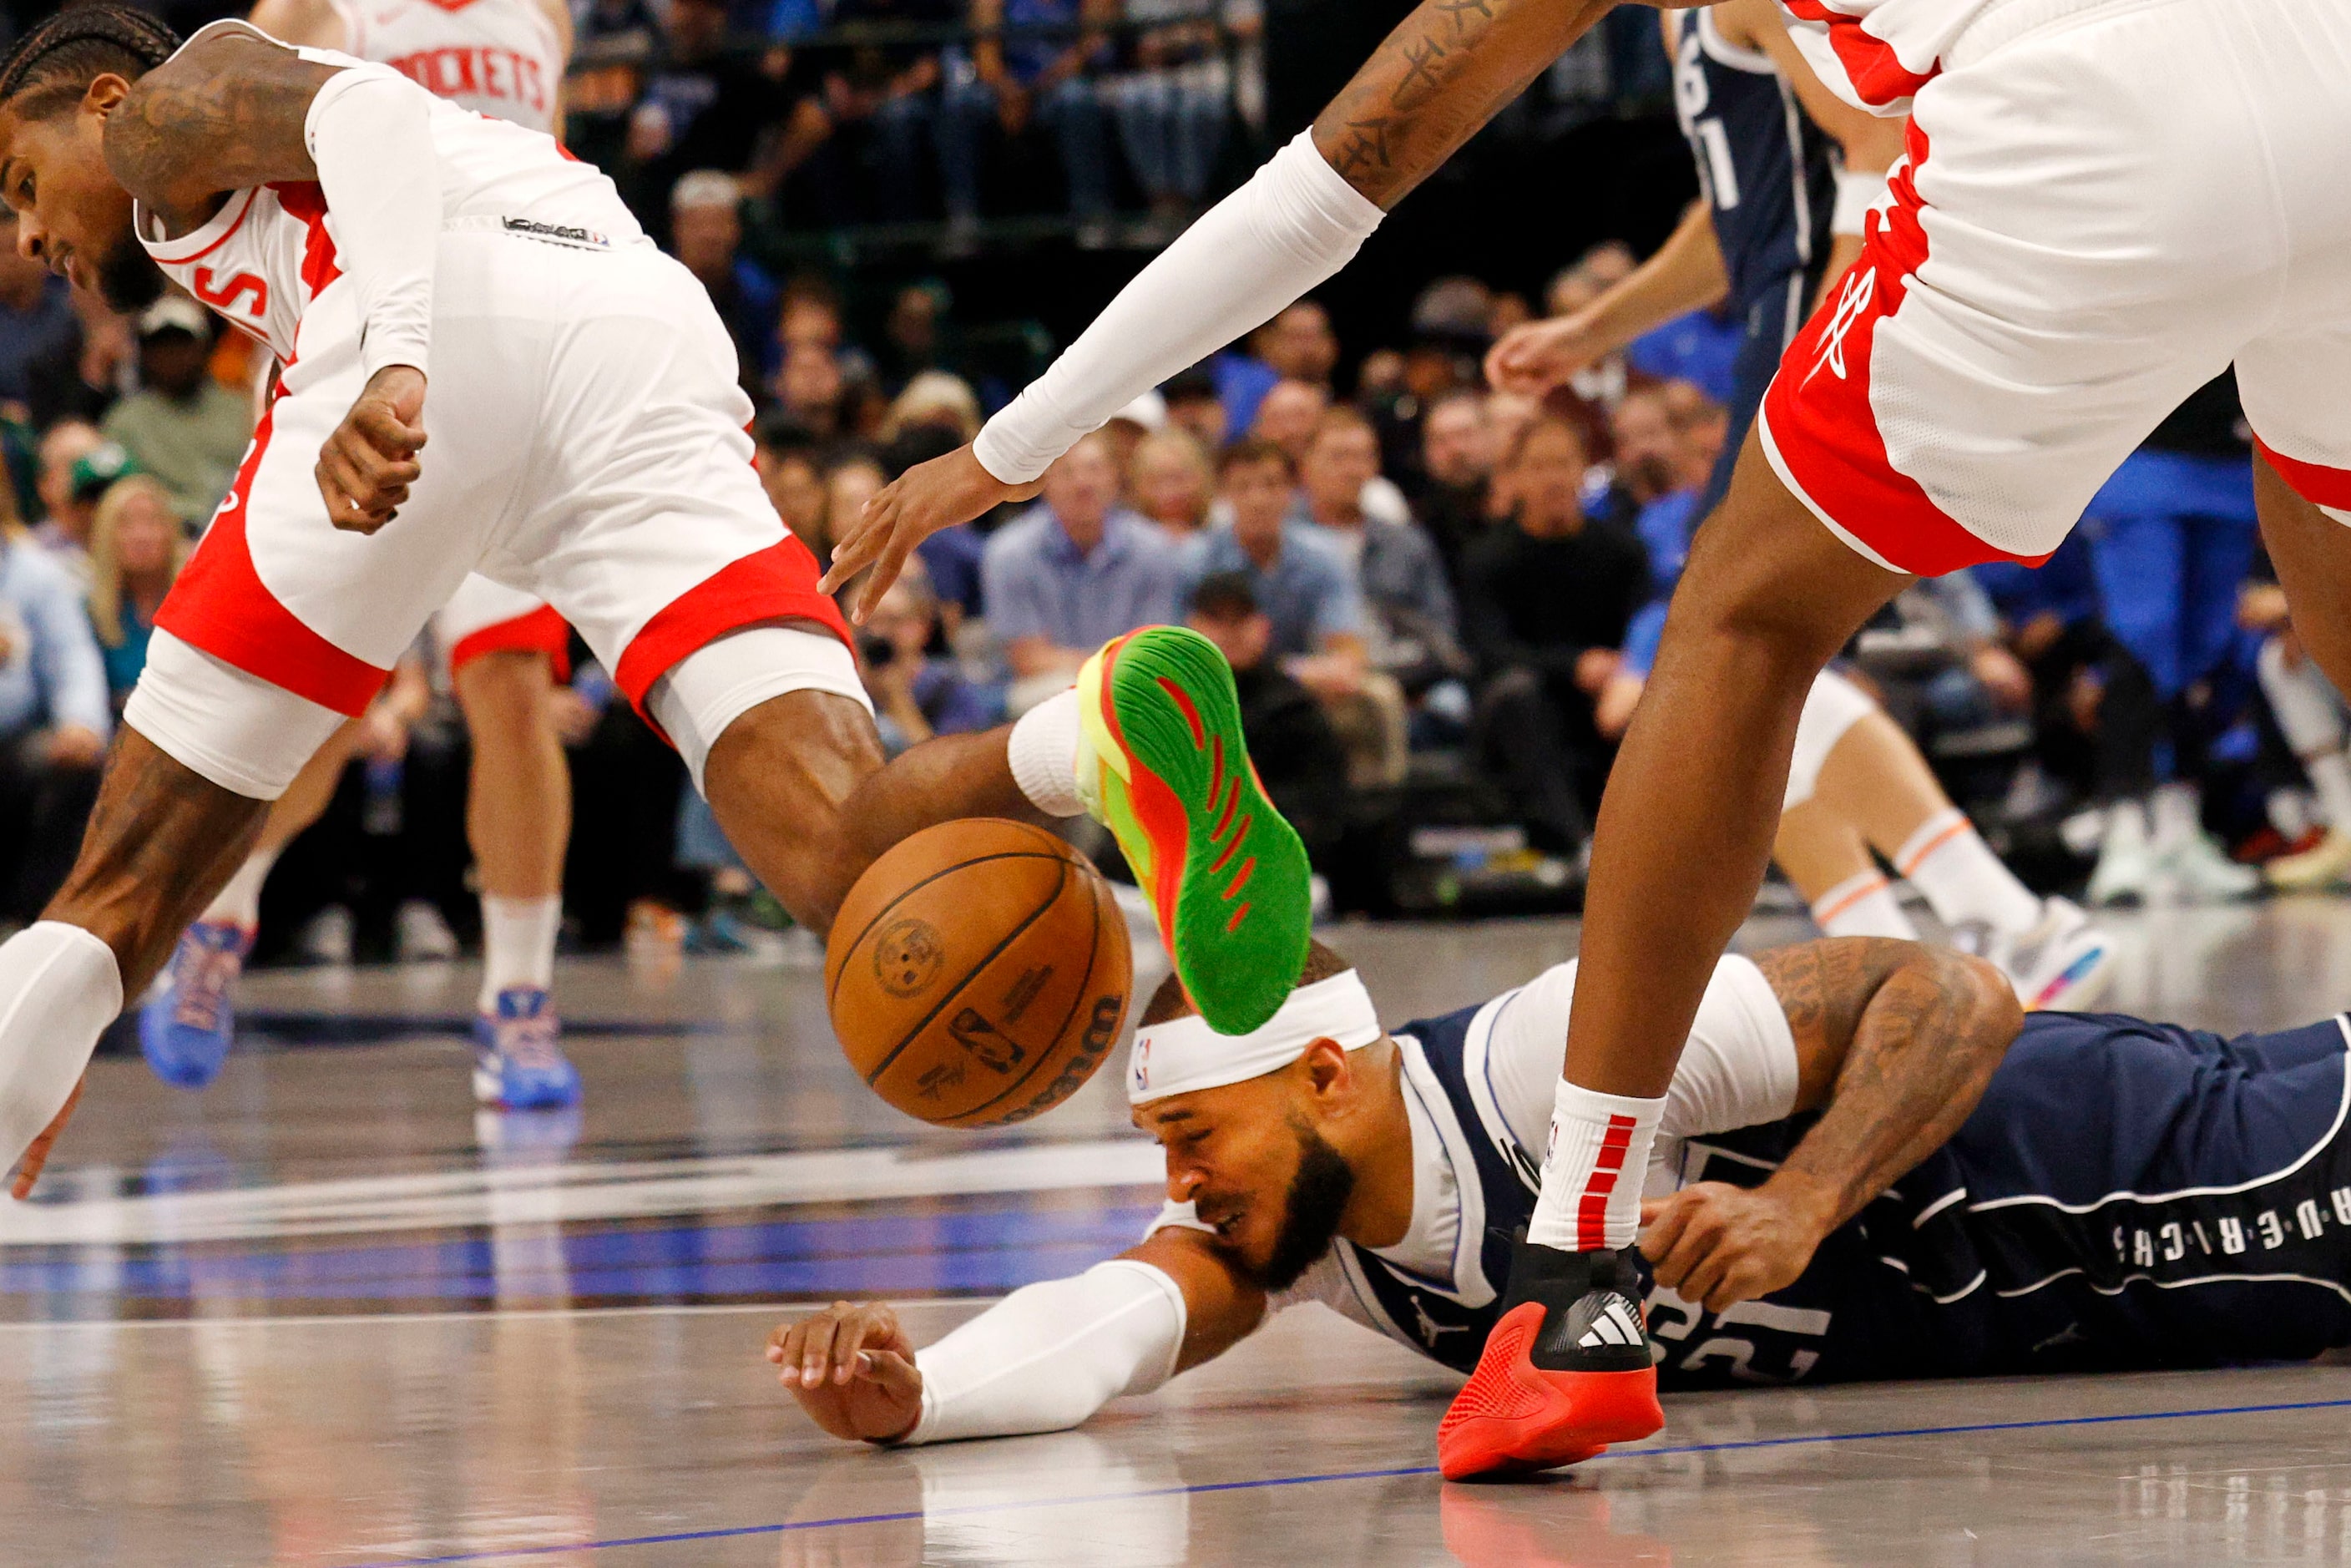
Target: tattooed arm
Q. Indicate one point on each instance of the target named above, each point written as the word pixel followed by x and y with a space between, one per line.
pixel 1895 1045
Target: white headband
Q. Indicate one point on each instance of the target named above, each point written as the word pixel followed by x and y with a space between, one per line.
pixel 1185 1054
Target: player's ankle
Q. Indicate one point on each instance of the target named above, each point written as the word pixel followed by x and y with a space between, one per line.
pixel 1042 751
pixel 1593 1174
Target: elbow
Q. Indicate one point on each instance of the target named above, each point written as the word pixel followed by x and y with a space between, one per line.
pixel 1995 1017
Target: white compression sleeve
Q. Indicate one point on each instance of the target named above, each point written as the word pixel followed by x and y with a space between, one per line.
pixel 1293 225
pixel 59 987
pixel 1048 1356
pixel 370 133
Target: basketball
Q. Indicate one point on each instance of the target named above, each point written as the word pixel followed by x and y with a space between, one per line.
pixel 979 973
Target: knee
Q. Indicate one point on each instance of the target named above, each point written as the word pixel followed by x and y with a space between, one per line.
pixel 503 693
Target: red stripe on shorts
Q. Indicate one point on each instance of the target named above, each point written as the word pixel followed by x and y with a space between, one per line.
pixel 1819 419
pixel 1592 1209
pixel 779 583
pixel 1876 72
pixel 221 605
pixel 2313 482
pixel 541 631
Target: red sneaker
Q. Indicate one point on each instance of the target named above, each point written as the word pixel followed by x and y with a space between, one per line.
pixel 1566 1372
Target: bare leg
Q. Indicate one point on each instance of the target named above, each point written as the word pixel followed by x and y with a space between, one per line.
pixel 313 790
pixel 2312 553
pixel 1875 781
pixel 519 805
pixel 799 785
pixel 1819 849
pixel 1686 824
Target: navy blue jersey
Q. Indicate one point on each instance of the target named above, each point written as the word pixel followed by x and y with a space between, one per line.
pixel 1768 173
pixel 2128 1194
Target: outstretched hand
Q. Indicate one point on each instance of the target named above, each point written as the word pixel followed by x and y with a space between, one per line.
pixel 1536 356
pixel 923 500
pixel 28 1169
pixel 367 465
pixel 853 1369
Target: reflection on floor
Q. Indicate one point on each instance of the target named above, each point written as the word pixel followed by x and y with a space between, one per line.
pixel 324 1314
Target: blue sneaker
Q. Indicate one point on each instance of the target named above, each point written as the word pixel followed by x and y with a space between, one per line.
pixel 189 1022
pixel 517 1061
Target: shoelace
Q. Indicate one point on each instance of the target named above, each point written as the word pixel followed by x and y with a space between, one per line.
pixel 203 986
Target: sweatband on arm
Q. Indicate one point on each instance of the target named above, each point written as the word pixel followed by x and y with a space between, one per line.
pixel 369 134
pixel 1293 225
pixel 1050 1355
pixel 59 987
pixel 1857 190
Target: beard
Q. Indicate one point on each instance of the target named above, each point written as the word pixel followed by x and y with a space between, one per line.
pixel 1309 1216
pixel 128 279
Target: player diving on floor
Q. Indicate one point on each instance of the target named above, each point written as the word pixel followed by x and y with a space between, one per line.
pixel 487 367
pixel 1872 1166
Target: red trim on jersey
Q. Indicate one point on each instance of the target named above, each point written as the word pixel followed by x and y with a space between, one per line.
pixel 539 631
pixel 779 583
pixel 217 241
pixel 221 605
pixel 305 204
pixel 2313 482
pixel 1876 72
pixel 1820 420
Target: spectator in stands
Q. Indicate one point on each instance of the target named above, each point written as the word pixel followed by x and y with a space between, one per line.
pixel 1172 107
pixel 1073 571
pixel 2174 535
pixel 1296 752
pixel 1288 414
pixel 1045 74
pixel 37 324
pixel 1457 470
pixel 915 695
pixel 1193 406
pixel 1172 480
pixel 915 334
pixel 705 228
pixel 182 426
pixel 65 521
pixel 952 555
pixel 55 718
pixel 879 107
pixel 706 104
pixel 813 393
pixel 792 470
pixel 935 398
pixel 136 551
pixel 75 513
pixel 852 480
pixel 1545 605
pixel 1296 345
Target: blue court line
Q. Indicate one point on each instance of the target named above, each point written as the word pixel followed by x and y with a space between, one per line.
pixel 791 1527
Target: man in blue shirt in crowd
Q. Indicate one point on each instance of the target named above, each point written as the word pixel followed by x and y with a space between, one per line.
pixel 55 719
pixel 1300 583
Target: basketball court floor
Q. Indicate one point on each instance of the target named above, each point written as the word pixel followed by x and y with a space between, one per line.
pixel 326 1315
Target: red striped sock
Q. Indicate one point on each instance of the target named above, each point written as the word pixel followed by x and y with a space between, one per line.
pixel 1594 1172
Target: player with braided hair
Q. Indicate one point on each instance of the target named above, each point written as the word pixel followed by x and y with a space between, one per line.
pixel 583 440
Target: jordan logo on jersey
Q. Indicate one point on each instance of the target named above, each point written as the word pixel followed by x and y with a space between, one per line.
pixel 224 296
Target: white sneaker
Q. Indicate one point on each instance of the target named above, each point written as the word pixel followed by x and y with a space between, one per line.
pixel 2125 870
pixel 424 936
pixel 2064 963
pixel 327 939
pixel 2200 873
pixel 2326 864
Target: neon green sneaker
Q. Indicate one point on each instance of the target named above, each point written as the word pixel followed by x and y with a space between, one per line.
pixel 1163 764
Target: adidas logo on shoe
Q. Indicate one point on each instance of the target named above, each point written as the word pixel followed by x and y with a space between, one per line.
pixel 1614 1321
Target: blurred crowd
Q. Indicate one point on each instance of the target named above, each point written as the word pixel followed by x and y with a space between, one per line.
pixel 1440 603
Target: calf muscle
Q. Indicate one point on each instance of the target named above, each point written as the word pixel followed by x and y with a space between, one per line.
pixel 162 841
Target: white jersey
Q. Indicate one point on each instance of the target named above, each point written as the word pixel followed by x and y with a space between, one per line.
pixel 499 57
pixel 270 249
pixel 1739 1070
pixel 1875 54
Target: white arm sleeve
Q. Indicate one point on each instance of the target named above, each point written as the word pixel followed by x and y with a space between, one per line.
pixel 1293 225
pixel 1048 1356
pixel 1738 1069
pixel 370 133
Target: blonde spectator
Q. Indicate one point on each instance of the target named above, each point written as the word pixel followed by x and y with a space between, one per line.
pixel 136 551
pixel 1172 480
pixel 934 397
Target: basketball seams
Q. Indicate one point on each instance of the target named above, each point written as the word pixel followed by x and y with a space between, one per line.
pixel 1077 999
pixel 832 982
pixel 1060 885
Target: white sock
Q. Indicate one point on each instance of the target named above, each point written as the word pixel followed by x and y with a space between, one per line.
pixel 517 944
pixel 1043 752
pixel 2178 814
pixel 2330 775
pixel 1592 1176
pixel 60 986
pixel 1862 905
pixel 240 901
pixel 1948 862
